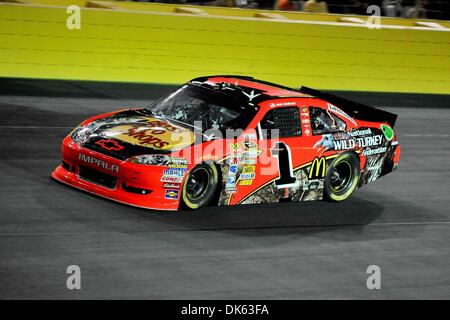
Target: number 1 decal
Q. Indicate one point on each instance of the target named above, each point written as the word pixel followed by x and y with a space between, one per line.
pixel 286 177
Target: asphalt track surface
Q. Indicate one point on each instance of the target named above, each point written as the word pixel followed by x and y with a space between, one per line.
pixel 278 251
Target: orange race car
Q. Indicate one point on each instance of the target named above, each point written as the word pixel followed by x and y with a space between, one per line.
pixel 230 140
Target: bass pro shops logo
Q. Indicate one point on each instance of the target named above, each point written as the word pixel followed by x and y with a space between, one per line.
pixel 110 145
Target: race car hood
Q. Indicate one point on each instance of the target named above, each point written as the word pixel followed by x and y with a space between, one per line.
pixel 133 132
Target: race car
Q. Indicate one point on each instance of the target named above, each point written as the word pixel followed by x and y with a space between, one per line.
pixel 231 140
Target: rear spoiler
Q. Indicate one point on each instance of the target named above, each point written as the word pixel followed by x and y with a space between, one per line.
pixel 354 109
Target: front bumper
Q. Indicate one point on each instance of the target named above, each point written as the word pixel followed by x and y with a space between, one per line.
pixel 127 185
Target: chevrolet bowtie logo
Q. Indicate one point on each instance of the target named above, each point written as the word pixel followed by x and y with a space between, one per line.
pixel 109 145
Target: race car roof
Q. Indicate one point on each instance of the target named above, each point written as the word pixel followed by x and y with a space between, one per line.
pixel 255 91
pixel 263 90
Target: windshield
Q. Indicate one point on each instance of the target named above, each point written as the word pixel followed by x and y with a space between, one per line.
pixel 197 106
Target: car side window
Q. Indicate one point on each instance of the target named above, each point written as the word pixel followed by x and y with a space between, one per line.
pixel 323 121
pixel 285 120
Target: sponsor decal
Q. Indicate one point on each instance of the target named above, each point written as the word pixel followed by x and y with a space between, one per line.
pixel 340 112
pixel 250 144
pixel 230 184
pixel 248 169
pixel 360 132
pixel 159 126
pixel 312 184
pixel 172 194
pixel 248 161
pixel 251 153
pixel 234 160
pixel 235 146
pixel 371 152
pixel 306 124
pixel 233 170
pixel 282 104
pixel 325 143
pixel 247 176
pixel 97 162
pixel 245 182
pixel 365 137
pixel 171 179
pixel 178 161
pixel 153 133
pixel 369 141
pixel 344 144
pixel 250 136
pixel 181 167
pixel 318 168
pixel 231 180
pixel 341 136
pixel 387 131
pixel 173 173
pixel 171 186
pixel 394 143
pixel 336 141
pixel 144 137
pixel 109 145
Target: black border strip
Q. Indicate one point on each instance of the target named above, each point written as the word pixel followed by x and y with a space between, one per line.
pixel 124 90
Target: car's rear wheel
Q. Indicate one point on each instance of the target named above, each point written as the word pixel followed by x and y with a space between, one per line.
pixel 342 177
pixel 200 186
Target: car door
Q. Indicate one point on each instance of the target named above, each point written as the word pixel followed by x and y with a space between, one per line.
pixel 268 167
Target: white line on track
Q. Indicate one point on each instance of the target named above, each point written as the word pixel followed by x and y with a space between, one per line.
pixel 408 223
pixel 426 135
pixel 379 224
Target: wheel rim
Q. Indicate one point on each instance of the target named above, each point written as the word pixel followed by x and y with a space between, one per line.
pixel 197 183
pixel 341 175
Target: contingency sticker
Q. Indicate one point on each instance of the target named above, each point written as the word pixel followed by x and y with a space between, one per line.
pixel 172 194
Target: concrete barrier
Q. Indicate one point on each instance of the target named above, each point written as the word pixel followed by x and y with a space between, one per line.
pixel 125 45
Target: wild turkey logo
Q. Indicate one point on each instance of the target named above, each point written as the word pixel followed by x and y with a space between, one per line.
pixel 110 145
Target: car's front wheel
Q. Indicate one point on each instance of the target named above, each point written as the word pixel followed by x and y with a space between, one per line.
pixel 200 186
pixel 342 177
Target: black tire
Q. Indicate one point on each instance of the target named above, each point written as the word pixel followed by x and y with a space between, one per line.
pixel 200 186
pixel 342 177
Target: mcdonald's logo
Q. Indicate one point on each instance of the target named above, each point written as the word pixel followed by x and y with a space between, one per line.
pixel 318 168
